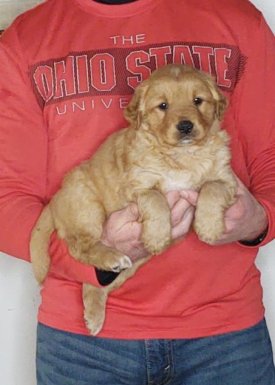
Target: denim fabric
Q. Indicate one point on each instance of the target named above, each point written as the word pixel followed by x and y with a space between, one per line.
pixel 238 358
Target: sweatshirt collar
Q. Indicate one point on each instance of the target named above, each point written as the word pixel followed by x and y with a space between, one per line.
pixel 117 10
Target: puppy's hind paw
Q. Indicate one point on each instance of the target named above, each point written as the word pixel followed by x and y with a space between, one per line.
pixel 123 263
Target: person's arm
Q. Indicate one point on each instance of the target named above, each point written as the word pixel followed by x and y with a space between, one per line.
pixel 246 220
pixel 23 151
pixel 23 163
pixel 252 217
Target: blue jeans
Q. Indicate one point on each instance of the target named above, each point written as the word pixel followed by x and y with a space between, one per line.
pixel 239 358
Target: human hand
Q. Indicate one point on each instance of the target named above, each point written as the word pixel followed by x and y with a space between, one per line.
pixel 245 220
pixel 123 230
pixel 182 205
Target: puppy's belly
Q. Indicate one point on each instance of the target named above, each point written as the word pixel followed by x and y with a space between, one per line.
pixel 176 183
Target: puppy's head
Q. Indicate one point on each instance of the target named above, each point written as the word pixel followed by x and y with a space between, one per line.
pixel 178 104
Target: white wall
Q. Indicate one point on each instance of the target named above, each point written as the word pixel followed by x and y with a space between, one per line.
pixel 11 8
pixel 19 295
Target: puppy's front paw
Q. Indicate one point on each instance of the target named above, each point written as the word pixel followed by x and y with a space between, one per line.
pixel 209 228
pixel 156 237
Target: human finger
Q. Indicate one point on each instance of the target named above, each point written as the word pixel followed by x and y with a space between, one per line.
pixel 128 214
pixel 172 198
pixel 182 228
pixel 190 195
pixel 178 211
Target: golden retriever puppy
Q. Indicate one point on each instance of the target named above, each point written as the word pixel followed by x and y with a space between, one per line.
pixel 173 142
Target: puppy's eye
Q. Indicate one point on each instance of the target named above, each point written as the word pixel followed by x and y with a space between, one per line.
pixel 198 101
pixel 163 106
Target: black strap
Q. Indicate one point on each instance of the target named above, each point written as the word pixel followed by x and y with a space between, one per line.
pixel 114 1
pixel 105 277
pixel 256 241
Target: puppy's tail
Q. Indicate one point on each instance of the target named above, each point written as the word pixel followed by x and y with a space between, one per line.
pixel 39 244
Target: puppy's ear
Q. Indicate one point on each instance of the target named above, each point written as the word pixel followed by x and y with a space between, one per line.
pixel 220 99
pixel 134 112
pixel 221 104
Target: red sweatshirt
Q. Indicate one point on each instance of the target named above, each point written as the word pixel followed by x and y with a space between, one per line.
pixel 68 68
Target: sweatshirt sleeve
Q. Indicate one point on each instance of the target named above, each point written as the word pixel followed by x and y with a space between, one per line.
pixel 23 163
pixel 23 151
pixel 256 119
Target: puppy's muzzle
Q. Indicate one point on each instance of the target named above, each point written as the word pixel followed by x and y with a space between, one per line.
pixel 185 127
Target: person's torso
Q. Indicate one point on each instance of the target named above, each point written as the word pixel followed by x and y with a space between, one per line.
pixel 84 63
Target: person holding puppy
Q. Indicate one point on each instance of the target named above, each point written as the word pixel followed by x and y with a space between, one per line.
pixel 193 314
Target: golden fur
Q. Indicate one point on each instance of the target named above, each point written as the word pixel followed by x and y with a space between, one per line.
pixel 173 142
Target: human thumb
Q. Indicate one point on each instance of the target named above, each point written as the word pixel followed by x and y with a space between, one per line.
pixel 131 212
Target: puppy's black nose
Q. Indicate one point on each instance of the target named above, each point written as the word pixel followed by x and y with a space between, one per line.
pixel 185 126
